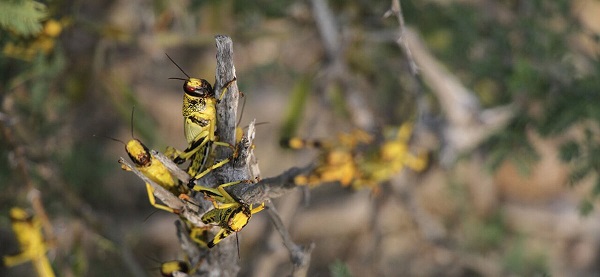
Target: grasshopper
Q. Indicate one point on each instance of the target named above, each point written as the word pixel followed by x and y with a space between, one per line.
pixel 199 125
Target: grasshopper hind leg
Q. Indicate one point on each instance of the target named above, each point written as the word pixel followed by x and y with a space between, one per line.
pixel 192 181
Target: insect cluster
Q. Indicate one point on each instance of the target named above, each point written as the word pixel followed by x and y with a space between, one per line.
pixel 228 213
pixel 346 160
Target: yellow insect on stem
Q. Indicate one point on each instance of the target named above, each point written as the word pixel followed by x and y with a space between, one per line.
pixel 153 169
pixel 338 160
pixel 200 124
pixel 392 157
pixel 395 152
pixel 228 213
pixel 28 231
pixel 169 268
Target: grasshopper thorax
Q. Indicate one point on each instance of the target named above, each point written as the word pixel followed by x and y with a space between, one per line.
pixel 198 87
pixel 138 152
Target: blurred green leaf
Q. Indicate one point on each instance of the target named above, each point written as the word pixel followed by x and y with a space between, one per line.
pixel 586 206
pixel 578 173
pixel 295 110
pixel 339 269
pixel 569 151
pixel 23 17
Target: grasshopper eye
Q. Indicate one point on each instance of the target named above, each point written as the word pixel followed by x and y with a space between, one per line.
pixel 198 88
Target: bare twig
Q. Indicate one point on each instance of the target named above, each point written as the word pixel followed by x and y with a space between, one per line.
pixel 272 187
pixel 327 28
pixel 189 247
pixel 300 256
pixel 227 108
pixel 336 69
pixel 245 150
pixel 171 166
pixel 396 10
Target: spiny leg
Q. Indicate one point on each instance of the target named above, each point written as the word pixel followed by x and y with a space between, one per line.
pixel 197 144
pixel 197 234
pixel 20 258
pixel 257 209
pixel 222 234
pixel 226 88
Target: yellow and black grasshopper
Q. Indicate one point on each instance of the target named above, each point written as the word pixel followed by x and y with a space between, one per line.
pixel 28 231
pixel 392 156
pixel 341 161
pixel 156 171
pixel 338 159
pixel 199 112
pixel 169 268
pixel 229 213
pixel 152 168
pixel 200 124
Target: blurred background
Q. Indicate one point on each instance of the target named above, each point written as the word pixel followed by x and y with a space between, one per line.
pixel 506 100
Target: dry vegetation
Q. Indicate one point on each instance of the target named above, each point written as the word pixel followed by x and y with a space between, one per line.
pixel 497 199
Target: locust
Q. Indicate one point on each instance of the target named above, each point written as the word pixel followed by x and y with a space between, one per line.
pixel 199 125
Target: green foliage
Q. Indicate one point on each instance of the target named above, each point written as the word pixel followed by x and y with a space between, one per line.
pixel 267 8
pixel 295 108
pixel 584 156
pixel 512 144
pixel 586 207
pixel 570 151
pixel 576 103
pixel 339 269
pixel 84 176
pixel 521 261
pixel 485 235
pixel 22 17
pixel 526 61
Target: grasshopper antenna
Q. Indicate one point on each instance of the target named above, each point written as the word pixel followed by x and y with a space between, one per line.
pixel 237 241
pixel 177 67
pixel 241 113
pixel 111 138
pixel 151 214
pixel 242 116
pixel 132 111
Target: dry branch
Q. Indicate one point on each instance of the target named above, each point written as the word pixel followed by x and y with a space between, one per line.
pixel 188 210
pixel 396 10
pixel 467 124
pixel 299 255
pixel 336 70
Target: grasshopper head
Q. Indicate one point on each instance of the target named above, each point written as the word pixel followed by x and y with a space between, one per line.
pixel 198 87
pixel 18 214
pixel 138 152
pixel 170 267
pixel 239 218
